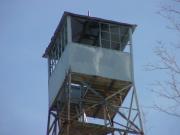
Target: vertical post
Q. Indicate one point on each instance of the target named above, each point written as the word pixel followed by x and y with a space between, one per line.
pixel 69 30
pixel 58 49
pixel 58 118
pixel 47 132
pixel 49 67
pixel 61 43
pixel 109 36
pixel 112 125
pixel 131 55
pixel 120 45
pixel 69 101
pixel 55 128
pixel 140 120
pixel 105 116
pixel 130 108
pixel 100 44
pixel 132 75
pixel 81 111
pixel 84 116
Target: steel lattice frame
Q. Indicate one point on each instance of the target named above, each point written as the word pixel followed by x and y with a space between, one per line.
pixel 127 120
pixel 126 123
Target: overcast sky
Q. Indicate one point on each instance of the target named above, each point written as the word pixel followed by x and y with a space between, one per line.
pixel 26 27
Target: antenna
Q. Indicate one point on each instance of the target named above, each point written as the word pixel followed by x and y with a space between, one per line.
pixel 88 13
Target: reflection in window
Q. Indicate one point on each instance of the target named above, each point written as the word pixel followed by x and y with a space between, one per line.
pixel 85 31
pixel 105 35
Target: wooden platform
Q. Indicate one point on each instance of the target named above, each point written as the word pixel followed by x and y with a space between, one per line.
pixel 104 87
pixel 79 128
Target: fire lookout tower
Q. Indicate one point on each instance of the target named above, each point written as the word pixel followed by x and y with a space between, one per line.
pixel 90 78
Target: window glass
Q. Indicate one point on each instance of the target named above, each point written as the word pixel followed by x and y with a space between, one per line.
pixel 104 27
pixel 85 31
pixel 105 43
pixel 62 44
pixel 115 37
pixel 105 35
pixel 115 45
pixel 114 29
pixel 57 48
pixel 65 33
pixel 90 32
pixel 110 33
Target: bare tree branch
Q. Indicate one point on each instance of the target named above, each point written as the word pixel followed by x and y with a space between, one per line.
pixel 169 64
pixel 167 111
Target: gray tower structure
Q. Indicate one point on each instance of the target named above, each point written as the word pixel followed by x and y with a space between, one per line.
pixel 90 78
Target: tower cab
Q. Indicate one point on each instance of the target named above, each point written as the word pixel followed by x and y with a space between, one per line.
pixel 94 49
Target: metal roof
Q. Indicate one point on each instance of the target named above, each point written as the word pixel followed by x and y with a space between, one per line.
pixel 83 17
